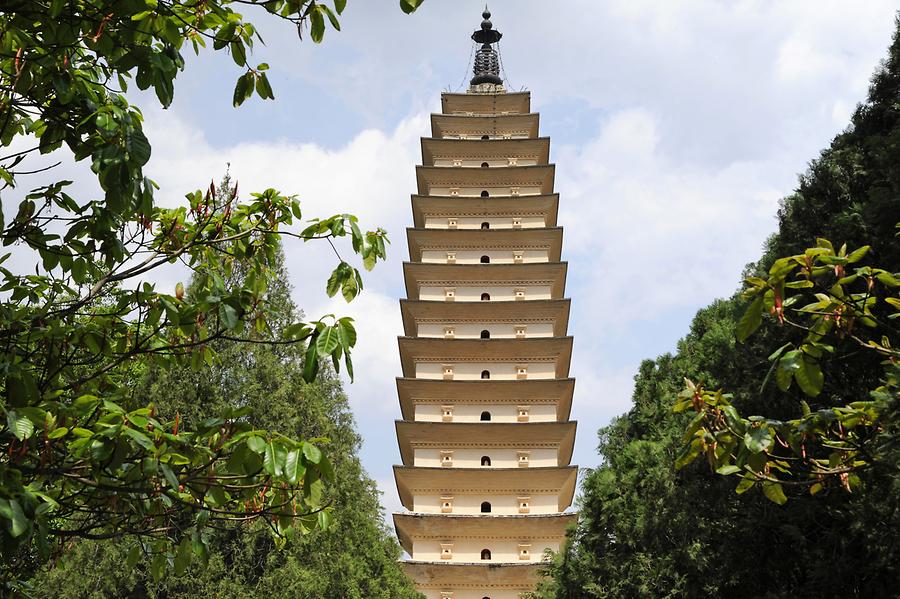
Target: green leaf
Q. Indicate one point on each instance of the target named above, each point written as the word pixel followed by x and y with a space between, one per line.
pixel 745 485
pixel 728 469
pixel 858 254
pixel 137 146
pixel 758 439
pixel 256 444
pixel 312 453
pixel 12 511
pixel 263 88
pixel 183 556
pixel 340 5
pixel 19 425
pixel 316 26
pixel 774 492
pixel 809 376
pixel 242 89
pixel 293 467
pixel 751 319
pixel 409 6
pixel 328 341
pixel 158 566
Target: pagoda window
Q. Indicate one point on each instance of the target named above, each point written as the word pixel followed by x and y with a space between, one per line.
pixel 485 374
pixel 485 507
pixel 485 554
pixel 485 461
pixel 485 334
pixel 485 165
pixel 485 297
pixel 485 260
pixel 485 137
pixel 485 225
pixel 485 416
pixel 485 193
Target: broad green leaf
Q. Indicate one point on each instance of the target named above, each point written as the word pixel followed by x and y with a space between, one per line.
pixel 809 376
pixel 751 319
pixel 328 341
pixel 19 425
pixel 758 439
pixel 774 492
pixel 312 453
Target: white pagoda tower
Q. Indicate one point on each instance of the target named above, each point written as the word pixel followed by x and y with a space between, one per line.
pixel 485 438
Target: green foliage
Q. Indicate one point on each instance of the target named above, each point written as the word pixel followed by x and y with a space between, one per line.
pixel 828 446
pixel 353 557
pixel 648 529
pixel 79 458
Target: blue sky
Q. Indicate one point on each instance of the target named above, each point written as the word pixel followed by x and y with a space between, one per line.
pixel 676 127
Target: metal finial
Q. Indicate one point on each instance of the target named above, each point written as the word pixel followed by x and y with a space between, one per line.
pixel 487 63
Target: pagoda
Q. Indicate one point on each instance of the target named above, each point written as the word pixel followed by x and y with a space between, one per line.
pixel 485 393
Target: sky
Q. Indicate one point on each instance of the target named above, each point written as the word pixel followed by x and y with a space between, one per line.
pixel 676 127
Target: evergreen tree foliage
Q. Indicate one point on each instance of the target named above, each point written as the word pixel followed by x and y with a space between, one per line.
pixel 355 557
pixel 649 530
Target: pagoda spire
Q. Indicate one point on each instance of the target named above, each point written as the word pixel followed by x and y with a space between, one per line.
pixel 487 62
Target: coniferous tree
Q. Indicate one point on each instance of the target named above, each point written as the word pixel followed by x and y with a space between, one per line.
pixel 649 530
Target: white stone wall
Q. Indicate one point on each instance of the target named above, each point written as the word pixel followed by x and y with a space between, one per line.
pixel 498 293
pixel 469 550
pixel 500 458
pixel 503 505
pixel 471 371
pixel 474 256
pixel 474 192
pixel 473 330
pixel 463 222
pixel 472 412
pixel 478 162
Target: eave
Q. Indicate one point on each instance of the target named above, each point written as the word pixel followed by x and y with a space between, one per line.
pixel 528 392
pixel 546 206
pixel 488 435
pixel 524 312
pixel 549 239
pixel 443 125
pixel 518 102
pixel 453 526
pixel 535 148
pixel 417 274
pixel 414 480
pixel 475 576
pixel 435 349
pixel 516 176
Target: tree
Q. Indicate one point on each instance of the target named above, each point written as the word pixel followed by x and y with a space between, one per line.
pixel 77 332
pixel 649 530
pixel 851 306
pixel 354 557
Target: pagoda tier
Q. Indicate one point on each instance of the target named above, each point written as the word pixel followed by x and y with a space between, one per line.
pixel 546 400
pixel 508 181
pixel 535 281
pixel 523 212
pixel 492 104
pixel 473 153
pixel 539 357
pixel 485 441
pixel 472 581
pixel 423 482
pixel 514 126
pixel 544 318
pixel 506 443
pixel 469 246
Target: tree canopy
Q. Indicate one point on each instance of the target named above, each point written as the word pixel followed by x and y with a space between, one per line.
pixel 81 318
pixel 828 415
pixel 356 557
